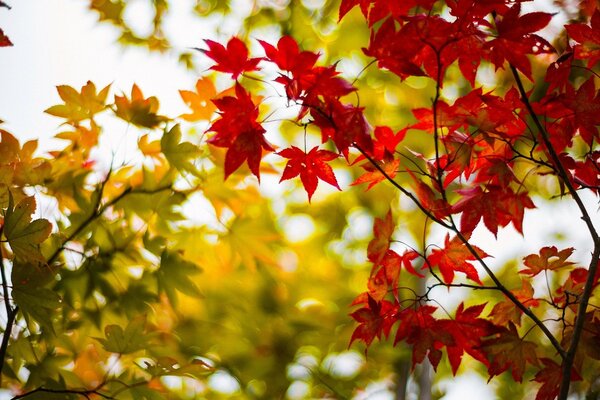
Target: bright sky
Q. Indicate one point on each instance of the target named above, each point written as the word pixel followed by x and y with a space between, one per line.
pixel 60 42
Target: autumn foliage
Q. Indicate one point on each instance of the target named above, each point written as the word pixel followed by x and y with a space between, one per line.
pixel 489 150
pixel 488 146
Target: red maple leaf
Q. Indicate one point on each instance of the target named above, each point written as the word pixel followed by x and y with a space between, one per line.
pixel 387 275
pixel 385 143
pixel 557 74
pixel 382 234
pixel 467 330
pixel 550 377
pixel 584 105
pixel 497 207
pixel 4 40
pixel 288 56
pixel 375 319
pixel 420 329
pixel 588 40
pixel 311 167
pixel 516 39
pixel 373 176
pixel 345 124
pixel 455 257
pixel 506 350
pixel 395 50
pixel 238 130
pixel 232 59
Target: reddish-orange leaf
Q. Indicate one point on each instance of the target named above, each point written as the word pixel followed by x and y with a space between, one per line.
pixel 588 40
pixel 455 257
pixel 311 167
pixel 382 233
pixel 505 311
pixel 288 56
pixel 387 275
pixel 375 319
pixel 516 39
pixel 4 40
pixel 467 329
pixel 550 377
pixel 548 259
pixel 498 206
pixel 239 131
pixel 232 59
pixel 506 350
pixel 373 176
pixel 199 101
pixel 419 328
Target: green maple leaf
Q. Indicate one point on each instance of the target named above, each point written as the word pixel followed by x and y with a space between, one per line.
pixel 37 303
pixel 124 341
pixel 174 274
pixel 179 155
pixel 23 234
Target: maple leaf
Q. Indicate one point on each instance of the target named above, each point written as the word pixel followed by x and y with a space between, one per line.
pixel 4 40
pixel 125 341
pixel 585 106
pixel 557 74
pixel 383 228
pixel 386 141
pixel 311 167
pixel 455 256
pixel 394 50
pixel 139 111
pixel 174 274
pixel 418 328
pixel 375 319
pixel 550 377
pixel 24 235
pixel 587 38
pixel 345 124
pixel 233 59
pixel 497 207
pixel 79 105
pixel 549 259
pixel 505 311
pixel 385 274
pixel 179 155
pixel 466 330
pixel 506 350
pixel 288 57
pixel 516 39
pixel 373 176
pixel 199 101
pixel 238 130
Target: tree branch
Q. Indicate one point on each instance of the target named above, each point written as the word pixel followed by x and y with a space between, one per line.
pixel 81 392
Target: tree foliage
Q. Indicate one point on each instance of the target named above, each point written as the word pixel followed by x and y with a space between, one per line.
pixel 109 293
